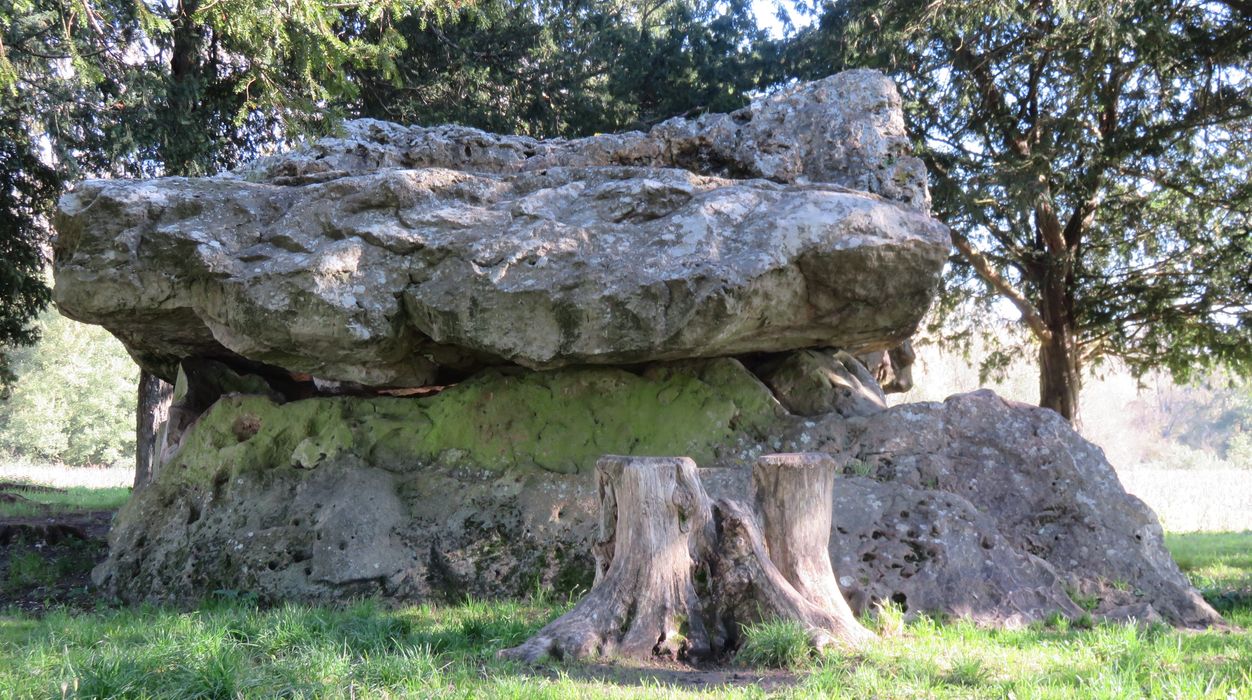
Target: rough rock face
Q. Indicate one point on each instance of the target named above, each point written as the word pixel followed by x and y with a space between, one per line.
pixel 974 507
pixel 483 488
pixel 818 382
pixel 382 279
pixel 846 129
pixel 399 257
pixel 892 369
pixel 945 471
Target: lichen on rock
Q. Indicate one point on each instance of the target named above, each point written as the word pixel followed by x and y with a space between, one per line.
pixel 558 421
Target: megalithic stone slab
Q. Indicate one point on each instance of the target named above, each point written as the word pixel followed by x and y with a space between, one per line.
pixel 399 275
pixel 846 129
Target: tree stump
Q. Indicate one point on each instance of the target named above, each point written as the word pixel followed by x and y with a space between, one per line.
pixel 793 495
pixel 677 576
pixel 644 603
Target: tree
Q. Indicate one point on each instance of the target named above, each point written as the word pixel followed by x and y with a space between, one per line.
pixel 1092 161
pixel 571 67
pixel 72 400
pixel 678 574
pixel 27 188
pixel 119 87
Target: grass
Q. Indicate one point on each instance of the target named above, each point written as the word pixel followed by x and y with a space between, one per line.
pixel 230 648
pixel 79 489
pixel 1220 565
pixel 775 644
pixel 31 569
pixel 77 498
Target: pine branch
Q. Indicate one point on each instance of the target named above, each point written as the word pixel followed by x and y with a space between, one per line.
pixel 988 272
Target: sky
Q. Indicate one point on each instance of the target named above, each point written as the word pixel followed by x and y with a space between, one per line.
pixel 766 12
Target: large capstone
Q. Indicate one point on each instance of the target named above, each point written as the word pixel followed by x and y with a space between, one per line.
pixel 403 257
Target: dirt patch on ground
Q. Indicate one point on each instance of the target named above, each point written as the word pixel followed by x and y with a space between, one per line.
pixel 46 561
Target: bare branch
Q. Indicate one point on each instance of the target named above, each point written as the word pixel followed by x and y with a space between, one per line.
pixel 985 270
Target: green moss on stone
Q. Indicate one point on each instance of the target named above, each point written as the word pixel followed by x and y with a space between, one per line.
pixel 558 421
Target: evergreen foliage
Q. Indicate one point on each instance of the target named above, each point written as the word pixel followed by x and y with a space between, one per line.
pixel 572 67
pixel 1092 161
pixel 27 188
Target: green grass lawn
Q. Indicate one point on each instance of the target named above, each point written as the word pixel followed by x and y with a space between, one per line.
pixel 68 500
pixel 229 648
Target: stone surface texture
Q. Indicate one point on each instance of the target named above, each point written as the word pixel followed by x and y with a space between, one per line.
pixel 1007 476
pixel 817 382
pixel 402 257
pixel 974 507
pixel 846 129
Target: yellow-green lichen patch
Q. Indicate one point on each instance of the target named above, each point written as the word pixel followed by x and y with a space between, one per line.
pixel 557 421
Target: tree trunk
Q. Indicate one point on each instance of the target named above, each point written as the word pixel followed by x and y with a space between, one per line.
pixel 644 603
pixel 151 410
pixel 182 143
pixel 794 493
pixel 678 576
pixel 1060 378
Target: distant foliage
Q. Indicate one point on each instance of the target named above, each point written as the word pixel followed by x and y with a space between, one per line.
pixel 1215 416
pixel 74 401
pixel 571 67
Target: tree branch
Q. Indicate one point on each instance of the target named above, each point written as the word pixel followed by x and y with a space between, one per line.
pixel 985 270
pixel 993 99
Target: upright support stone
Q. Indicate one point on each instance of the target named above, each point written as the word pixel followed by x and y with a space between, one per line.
pixel 644 602
pixel 793 495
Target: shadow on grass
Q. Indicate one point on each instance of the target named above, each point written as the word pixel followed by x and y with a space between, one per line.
pixel 677 676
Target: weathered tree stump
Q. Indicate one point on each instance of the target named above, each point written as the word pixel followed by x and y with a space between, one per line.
pixel 152 409
pixel 644 603
pixel 677 575
pixel 793 495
